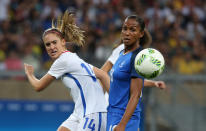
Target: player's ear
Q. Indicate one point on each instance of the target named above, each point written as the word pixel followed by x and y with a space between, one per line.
pixel 142 34
pixel 63 42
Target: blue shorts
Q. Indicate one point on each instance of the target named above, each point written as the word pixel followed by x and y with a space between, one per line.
pixel 114 118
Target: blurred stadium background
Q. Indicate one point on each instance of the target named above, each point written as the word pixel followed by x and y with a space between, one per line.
pixel 178 29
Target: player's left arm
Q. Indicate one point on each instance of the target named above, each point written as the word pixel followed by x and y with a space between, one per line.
pixel 158 84
pixel 147 83
pixel 135 92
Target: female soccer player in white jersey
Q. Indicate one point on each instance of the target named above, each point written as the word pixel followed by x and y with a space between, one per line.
pixel 90 105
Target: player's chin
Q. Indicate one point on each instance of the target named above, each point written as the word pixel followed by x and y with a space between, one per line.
pixel 126 42
pixel 53 57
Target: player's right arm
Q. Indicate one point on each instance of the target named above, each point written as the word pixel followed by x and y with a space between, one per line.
pixel 107 66
pixel 38 84
pixel 103 77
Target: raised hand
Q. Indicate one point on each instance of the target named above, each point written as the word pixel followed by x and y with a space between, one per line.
pixel 29 69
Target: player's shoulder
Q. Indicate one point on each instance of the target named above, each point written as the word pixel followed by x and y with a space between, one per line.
pixel 65 57
pixel 118 50
pixel 68 55
pixel 135 52
pixel 119 47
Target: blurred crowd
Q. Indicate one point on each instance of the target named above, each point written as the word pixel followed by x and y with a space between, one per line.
pixel 177 27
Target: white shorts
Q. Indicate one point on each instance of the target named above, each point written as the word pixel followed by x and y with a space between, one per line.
pixel 91 122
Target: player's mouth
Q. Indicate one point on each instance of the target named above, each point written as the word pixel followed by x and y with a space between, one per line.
pixel 53 53
pixel 126 40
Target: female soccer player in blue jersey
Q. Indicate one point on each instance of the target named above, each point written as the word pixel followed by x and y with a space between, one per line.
pixel 125 84
pixel 147 83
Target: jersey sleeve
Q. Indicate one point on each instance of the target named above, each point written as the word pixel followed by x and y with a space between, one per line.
pixel 115 54
pixel 91 66
pixel 58 68
pixel 134 74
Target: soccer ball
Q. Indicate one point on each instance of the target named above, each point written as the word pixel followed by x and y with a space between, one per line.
pixel 149 63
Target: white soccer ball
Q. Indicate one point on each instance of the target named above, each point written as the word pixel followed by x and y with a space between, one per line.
pixel 149 63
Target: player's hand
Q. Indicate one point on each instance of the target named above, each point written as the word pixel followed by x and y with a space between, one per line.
pixel 160 84
pixel 29 69
pixel 119 128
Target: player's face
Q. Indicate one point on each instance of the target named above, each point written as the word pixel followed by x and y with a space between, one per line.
pixel 54 45
pixel 131 32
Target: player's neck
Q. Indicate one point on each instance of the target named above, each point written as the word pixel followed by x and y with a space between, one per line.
pixel 130 48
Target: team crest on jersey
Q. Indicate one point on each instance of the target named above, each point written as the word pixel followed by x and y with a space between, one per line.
pixel 121 64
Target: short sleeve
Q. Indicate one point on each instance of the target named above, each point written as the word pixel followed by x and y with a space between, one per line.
pixel 58 68
pixel 91 66
pixel 115 54
pixel 133 71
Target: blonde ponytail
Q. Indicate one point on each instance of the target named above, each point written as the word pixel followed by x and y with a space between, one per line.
pixel 67 27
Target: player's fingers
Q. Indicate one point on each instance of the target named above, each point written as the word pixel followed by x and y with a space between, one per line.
pixel 157 84
pixel 25 66
pixel 163 86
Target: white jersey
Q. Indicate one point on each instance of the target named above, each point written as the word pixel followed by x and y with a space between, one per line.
pixel 115 54
pixel 78 75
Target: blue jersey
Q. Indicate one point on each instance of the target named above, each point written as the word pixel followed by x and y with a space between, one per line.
pixel 121 74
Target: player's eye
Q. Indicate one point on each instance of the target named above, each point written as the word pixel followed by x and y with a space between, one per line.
pixel 133 29
pixel 54 42
pixel 124 28
pixel 47 44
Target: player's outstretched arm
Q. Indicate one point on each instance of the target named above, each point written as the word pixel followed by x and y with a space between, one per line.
pixel 103 77
pixel 36 83
pixel 107 66
pixel 147 83
pixel 158 84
